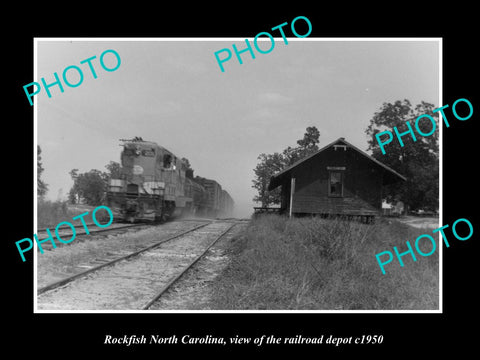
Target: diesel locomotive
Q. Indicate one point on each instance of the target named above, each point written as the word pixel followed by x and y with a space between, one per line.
pixel 155 185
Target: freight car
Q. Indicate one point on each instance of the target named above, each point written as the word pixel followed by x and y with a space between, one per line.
pixel 226 203
pixel 155 185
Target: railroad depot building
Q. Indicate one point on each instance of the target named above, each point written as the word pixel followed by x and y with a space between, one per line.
pixel 338 179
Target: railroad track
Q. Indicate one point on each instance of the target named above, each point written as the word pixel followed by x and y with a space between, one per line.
pixel 67 234
pixel 136 280
pixel 76 226
pixel 91 229
pixel 174 279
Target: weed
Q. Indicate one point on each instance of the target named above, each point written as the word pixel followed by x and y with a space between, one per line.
pixel 50 213
pixel 313 263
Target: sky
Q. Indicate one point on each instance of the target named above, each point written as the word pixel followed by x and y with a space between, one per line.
pixel 173 92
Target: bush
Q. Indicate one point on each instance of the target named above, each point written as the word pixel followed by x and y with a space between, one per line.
pixel 313 263
pixel 50 213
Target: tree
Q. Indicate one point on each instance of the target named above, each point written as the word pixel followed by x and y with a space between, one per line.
pixel 114 171
pixel 309 143
pixel 416 160
pixel 266 168
pixel 42 188
pixel 306 146
pixel 187 163
pixel 269 164
pixel 73 195
pixel 89 186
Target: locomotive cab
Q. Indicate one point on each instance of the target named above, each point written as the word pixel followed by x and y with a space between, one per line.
pixel 137 194
pixel 151 183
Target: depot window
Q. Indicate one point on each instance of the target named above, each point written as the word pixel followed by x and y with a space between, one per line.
pixel 335 183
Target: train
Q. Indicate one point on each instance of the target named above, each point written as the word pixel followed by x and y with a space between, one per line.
pixel 155 185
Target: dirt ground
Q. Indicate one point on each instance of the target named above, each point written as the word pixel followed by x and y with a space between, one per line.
pixel 420 222
pixel 194 290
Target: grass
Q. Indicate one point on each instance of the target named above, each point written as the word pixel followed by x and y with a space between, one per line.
pixel 50 213
pixel 313 263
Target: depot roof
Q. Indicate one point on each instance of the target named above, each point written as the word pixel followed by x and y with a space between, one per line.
pixel 278 178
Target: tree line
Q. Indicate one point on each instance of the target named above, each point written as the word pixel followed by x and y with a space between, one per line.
pixel 417 161
pixel 88 187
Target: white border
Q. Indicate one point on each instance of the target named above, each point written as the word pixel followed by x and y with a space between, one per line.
pixel 35 175
pixel 386 39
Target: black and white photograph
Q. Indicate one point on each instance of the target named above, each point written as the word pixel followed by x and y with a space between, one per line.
pixel 257 188
pixel 250 186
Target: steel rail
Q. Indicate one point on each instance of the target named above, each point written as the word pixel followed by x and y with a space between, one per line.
pixel 111 262
pixel 178 276
pixel 101 230
pixel 75 226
